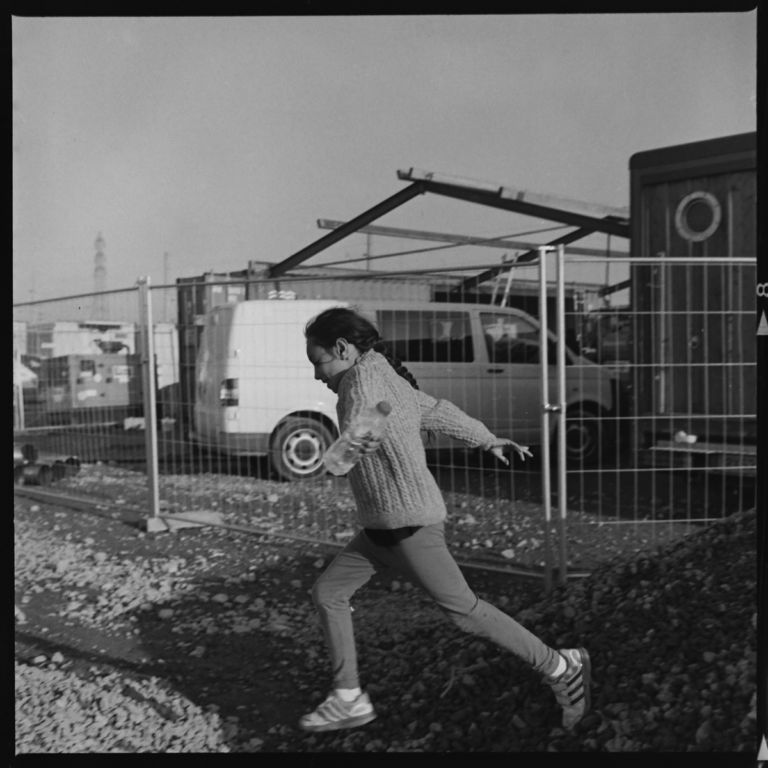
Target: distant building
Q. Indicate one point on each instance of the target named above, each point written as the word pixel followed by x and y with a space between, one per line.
pixel 57 339
pixel 54 339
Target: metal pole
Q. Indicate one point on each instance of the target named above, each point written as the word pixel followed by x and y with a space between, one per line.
pixel 165 291
pixel 150 410
pixel 562 488
pixel 368 251
pixel 18 391
pixel 545 408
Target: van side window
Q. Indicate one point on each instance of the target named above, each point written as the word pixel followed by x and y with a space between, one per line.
pixel 511 339
pixel 423 336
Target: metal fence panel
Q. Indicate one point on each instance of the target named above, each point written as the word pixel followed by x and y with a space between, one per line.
pixel 77 382
pixel 681 341
pixel 647 371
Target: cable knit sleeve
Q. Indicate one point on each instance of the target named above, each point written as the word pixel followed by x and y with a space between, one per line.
pixel 448 419
pixel 360 389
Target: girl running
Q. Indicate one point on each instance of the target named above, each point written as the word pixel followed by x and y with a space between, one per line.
pixel 402 512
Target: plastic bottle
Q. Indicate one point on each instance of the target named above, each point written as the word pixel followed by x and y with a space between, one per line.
pixel 345 452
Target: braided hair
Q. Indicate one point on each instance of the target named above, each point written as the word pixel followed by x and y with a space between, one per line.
pixel 340 322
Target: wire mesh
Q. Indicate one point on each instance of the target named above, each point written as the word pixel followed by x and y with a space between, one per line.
pixel 660 418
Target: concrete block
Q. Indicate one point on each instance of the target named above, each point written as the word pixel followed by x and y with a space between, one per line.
pixel 198 518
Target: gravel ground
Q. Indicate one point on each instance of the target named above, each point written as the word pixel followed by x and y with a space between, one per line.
pixel 205 640
pixel 481 528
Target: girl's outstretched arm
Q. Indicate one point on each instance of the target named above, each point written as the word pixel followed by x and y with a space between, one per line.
pixel 446 418
pixel 497 449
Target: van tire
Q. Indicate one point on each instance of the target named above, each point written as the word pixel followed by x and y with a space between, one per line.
pixel 297 448
pixel 583 443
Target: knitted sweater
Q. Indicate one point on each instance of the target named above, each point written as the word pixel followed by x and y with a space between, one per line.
pixel 393 486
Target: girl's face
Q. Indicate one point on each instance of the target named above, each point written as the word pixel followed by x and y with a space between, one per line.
pixel 331 364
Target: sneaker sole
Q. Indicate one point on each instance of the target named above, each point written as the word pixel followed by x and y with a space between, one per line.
pixel 350 722
pixel 586 672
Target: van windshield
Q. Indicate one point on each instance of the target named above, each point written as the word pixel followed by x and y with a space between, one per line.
pixel 511 339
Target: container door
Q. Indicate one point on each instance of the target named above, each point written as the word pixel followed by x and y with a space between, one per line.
pixel 702 313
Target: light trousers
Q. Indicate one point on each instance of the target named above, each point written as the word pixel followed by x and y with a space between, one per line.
pixel 424 560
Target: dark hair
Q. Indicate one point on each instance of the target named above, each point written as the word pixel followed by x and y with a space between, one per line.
pixel 342 323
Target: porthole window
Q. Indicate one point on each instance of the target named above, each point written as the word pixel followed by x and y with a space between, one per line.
pixel 697 216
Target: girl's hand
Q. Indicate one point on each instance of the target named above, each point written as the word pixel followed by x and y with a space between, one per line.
pixel 497 449
pixel 369 444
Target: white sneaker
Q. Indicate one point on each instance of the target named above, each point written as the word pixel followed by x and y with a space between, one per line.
pixel 571 688
pixel 335 714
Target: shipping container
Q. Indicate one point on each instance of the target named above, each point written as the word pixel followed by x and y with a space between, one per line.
pixel 694 324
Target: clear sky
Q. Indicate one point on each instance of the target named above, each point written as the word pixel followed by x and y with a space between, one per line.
pixel 218 140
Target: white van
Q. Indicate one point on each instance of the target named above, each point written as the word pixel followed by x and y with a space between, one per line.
pixel 256 392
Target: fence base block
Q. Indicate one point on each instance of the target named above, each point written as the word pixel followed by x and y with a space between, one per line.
pixel 192 519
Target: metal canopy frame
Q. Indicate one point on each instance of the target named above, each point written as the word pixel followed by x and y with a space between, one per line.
pixel 546 207
pixel 473 282
pixel 352 226
pixel 505 243
pixel 584 216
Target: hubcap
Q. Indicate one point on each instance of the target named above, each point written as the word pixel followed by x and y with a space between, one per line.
pixel 303 451
pixel 578 440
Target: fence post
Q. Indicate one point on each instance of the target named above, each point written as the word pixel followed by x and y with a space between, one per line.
pixel 18 391
pixel 150 409
pixel 562 487
pixel 545 409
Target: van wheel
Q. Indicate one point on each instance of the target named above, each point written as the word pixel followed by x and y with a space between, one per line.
pixel 298 445
pixel 582 437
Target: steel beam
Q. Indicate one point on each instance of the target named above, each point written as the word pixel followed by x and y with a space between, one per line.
pixel 353 225
pixel 474 281
pixel 549 201
pixel 610 225
pixel 615 287
pixel 564 203
pixel 415 234
pixel 444 237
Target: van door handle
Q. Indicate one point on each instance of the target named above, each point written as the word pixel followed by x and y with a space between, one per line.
pixel 495 370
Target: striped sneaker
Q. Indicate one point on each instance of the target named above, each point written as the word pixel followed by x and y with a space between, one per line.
pixel 571 688
pixel 335 714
